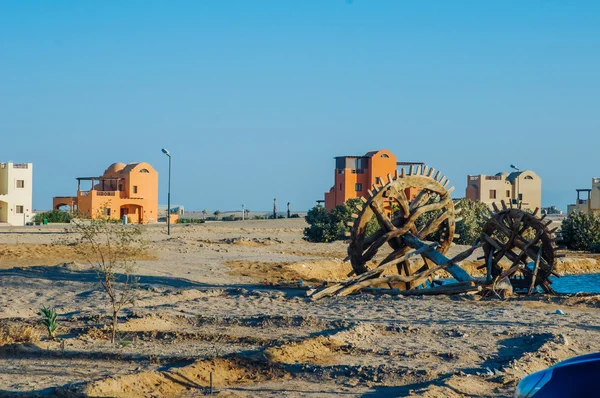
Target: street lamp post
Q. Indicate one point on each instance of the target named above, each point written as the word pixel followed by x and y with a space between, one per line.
pixel 168 194
pixel 518 184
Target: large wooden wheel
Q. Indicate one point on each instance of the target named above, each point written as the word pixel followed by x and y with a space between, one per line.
pixel 514 238
pixel 428 216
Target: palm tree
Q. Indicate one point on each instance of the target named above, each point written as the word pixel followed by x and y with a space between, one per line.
pixel 204 214
pixel 216 213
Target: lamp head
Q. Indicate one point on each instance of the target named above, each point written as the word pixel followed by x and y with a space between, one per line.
pixel 514 167
pixel 164 150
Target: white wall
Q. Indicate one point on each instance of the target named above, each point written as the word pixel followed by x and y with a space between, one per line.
pixel 11 196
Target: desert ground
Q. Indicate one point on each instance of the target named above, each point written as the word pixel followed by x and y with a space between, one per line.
pixel 208 302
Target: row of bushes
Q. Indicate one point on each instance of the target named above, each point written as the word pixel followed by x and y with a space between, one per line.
pixel 231 217
pixel 53 216
pixel 329 226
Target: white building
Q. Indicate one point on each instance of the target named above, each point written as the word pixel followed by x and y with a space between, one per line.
pixel 16 183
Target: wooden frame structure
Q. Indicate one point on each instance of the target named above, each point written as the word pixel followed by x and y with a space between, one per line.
pixel 423 228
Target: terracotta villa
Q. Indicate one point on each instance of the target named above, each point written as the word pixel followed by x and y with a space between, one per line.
pixel 123 190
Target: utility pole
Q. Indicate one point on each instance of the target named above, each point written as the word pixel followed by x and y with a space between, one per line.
pixel 275 208
pixel 168 194
pixel 288 215
pixel 243 212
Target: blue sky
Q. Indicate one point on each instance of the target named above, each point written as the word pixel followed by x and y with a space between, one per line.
pixel 255 98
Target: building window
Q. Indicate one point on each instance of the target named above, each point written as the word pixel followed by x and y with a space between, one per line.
pixel 528 177
pixel 492 194
pixel 358 187
pixel 340 186
pixel 144 171
pixel 135 189
pixel 507 193
pixel 384 156
pixel 107 211
pixel 120 187
pixel 20 183
pixel 520 196
pixel 19 209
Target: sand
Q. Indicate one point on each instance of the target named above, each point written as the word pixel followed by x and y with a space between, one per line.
pixel 206 304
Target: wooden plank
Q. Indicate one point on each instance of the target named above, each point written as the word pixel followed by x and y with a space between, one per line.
pixel 535 270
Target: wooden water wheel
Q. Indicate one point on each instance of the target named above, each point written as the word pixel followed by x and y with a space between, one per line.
pixel 519 244
pixel 428 215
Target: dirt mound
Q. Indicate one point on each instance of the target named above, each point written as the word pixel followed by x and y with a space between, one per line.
pixel 457 386
pixel 149 323
pixel 319 350
pixel 556 349
pixel 577 265
pixel 307 271
pixel 178 380
pixel 29 254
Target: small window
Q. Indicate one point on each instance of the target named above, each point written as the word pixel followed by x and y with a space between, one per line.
pixel 528 177
pixel 340 186
pixel 507 193
pixel 20 183
pixel 144 171
pixel 19 209
pixel 107 211
pixel 135 189
pixel 384 156
pixel 520 196
pixel 358 187
pixel 492 194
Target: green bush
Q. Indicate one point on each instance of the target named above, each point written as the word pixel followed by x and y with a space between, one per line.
pixel 468 228
pixel 581 231
pixel 190 221
pixel 53 216
pixel 330 226
pixel 295 215
pixel 231 217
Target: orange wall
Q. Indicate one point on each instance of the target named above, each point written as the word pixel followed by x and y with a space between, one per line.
pixel 381 163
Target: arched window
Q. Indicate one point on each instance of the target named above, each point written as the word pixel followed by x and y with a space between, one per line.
pixel 528 177
pixel 144 171
pixel 384 156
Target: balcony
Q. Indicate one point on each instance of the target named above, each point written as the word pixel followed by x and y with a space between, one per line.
pixel 495 178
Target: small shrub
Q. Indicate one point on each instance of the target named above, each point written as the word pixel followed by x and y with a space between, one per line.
pixel 330 226
pixel 581 231
pixel 18 334
pixel 468 228
pixel 49 321
pixel 295 215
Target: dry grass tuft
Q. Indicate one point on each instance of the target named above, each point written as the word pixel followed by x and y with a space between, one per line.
pixel 18 334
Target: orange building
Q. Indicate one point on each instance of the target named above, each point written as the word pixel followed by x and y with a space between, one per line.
pixel 130 190
pixel 354 175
